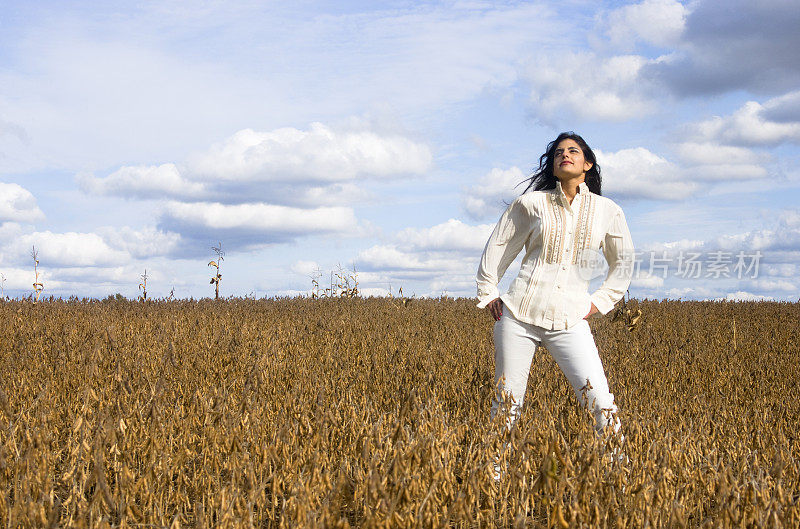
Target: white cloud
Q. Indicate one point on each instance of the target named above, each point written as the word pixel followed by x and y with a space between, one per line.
pixel 443 248
pixel 79 262
pixel 784 237
pixel 396 262
pixel 781 270
pixel 319 154
pixel 140 244
pixel 452 286
pixel 265 187
pixel 741 295
pixel 442 257
pixel 493 192
pixel 706 153
pixel 389 257
pixel 20 278
pixel 258 218
pixel 637 172
pixel 687 292
pixel 376 292
pixel 657 22
pixel 70 249
pixel 733 147
pixel 584 85
pixel 334 194
pixel 17 204
pixel 773 285
pixel 789 218
pixel 320 166
pixel 748 126
pixel 305 268
pixel 646 280
pixel 10 230
pixel 95 277
pixel 452 235
pixel 163 181
pixel 674 246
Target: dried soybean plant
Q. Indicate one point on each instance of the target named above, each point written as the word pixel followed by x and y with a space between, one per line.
pixel 628 315
pixel 217 277
pixel 143 287
pixel 343 283
pixel 400 300
pixel 2 286
pixel 355 414
pixel 404 300
pixel 316 275
pixel 346 282
pixel 38 286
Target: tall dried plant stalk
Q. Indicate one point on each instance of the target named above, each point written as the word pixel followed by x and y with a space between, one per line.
pixel 143 287
pixel 38 286
pixel 217 277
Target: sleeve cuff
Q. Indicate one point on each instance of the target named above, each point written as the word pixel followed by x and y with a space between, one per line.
pixel 603 304
pixel 486 295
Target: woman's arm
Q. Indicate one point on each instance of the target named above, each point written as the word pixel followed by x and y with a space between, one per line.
pixel 617 247
pixel 504 244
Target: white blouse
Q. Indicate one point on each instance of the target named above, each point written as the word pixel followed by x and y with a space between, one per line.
pixel 562 243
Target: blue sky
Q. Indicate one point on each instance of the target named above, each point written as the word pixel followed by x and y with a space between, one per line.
pixel 388 136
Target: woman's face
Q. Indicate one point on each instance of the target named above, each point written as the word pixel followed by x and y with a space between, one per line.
pixel 569 161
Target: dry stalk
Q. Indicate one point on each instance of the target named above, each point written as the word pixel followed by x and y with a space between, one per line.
pixel 143 287
pixel 38 286
pixel 217 277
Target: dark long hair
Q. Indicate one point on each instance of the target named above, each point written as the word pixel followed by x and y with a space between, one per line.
pixel 544 177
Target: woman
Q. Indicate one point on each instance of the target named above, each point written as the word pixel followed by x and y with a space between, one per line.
pixel 562 224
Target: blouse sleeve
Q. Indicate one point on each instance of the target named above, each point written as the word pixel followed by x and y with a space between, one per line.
pixel 504 244
pixel 618 249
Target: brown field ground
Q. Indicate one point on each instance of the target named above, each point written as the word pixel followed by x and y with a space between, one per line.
pixel 369 413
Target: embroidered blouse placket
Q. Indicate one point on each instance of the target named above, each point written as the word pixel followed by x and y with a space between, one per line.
pixel 560 240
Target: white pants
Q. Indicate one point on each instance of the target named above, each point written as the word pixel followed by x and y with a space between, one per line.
pixel 573 349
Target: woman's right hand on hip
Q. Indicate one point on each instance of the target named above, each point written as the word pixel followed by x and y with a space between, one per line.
pixel 495 308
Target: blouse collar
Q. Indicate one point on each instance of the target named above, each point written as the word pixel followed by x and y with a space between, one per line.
pixel 582 190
